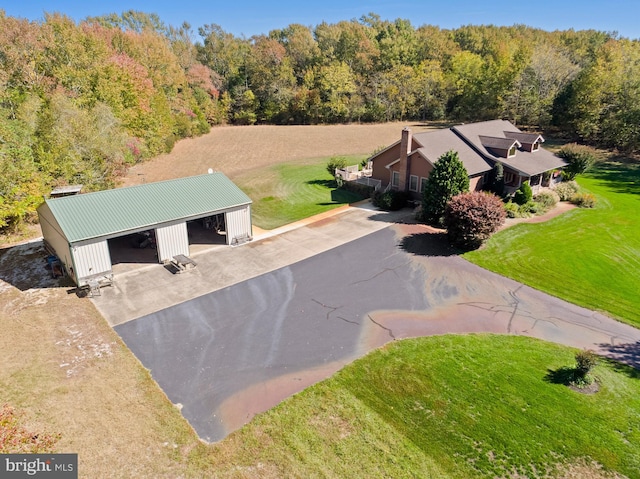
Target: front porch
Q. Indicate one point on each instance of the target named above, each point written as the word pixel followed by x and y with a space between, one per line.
pixel 537 183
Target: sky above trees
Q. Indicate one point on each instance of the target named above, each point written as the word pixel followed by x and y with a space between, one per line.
pixel 253 17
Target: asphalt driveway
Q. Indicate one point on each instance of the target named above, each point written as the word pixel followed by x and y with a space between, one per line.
pixel 229 354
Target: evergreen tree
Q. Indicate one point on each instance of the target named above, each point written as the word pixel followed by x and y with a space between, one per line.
pixel 448 178
pixel 496 180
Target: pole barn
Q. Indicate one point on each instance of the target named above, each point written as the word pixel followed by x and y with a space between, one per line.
pixel 77 228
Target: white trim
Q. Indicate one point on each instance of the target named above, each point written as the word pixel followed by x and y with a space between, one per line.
pixel 411 177
pixel 395 175
pixel 392 163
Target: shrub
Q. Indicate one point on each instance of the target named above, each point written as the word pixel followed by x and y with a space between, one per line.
pixel 584 200
pixel 523 194
pixel 586 360
pixel 512 210
pixel 390 200
pixel 335 163
pixel 566 190
pixel 579 157
pixel 471 218
pixel 547 199
pixel 529 208
pixel 360 189
pixel 448 178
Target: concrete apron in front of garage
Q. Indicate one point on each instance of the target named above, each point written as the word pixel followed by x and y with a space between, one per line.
pixel 147 288
pixel 225 356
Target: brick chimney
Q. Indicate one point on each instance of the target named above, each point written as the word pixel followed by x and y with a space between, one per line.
pixel 405 167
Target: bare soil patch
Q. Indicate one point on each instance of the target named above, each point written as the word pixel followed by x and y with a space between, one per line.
pixel 239 149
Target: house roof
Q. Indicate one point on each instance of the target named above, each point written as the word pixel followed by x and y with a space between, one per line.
pixel 492 142
pixel 109 212
pixel 433 144
pixel 524 138
pixel 525 162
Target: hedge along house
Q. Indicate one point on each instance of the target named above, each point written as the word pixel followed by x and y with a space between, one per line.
pixel 78 228
pixel 406 164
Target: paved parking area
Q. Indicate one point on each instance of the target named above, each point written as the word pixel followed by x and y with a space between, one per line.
pixel 321 296
pixel 147 288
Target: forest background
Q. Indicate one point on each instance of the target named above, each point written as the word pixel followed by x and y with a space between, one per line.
pixel 80 102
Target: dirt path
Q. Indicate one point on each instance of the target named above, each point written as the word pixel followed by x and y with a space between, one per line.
pixel 239 149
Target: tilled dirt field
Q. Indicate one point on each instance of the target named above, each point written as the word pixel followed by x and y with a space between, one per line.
pixel 234 150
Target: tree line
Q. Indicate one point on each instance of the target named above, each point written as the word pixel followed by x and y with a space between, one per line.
pixel 82 101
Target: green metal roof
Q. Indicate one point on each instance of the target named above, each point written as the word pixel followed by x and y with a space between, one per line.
pixel 109 212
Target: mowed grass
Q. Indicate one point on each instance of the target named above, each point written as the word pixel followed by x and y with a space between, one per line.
pixel 448 407
pixel 590 257
pixel 289 192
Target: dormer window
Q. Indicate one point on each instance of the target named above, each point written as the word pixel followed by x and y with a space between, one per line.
pixel 529 141
pixel 500 147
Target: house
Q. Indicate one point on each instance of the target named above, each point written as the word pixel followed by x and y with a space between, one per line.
pixel 406 164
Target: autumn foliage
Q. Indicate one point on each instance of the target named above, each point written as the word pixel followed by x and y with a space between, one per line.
pixel 80 102
pixel 471 218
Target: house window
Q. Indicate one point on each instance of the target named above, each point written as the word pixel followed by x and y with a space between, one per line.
pixel 508 178
pixel 535 146
pixel 395 179
pixel 512 151
pixel 423 184
pixel 413 183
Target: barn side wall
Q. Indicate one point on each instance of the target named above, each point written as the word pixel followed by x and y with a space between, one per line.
pixel 54 239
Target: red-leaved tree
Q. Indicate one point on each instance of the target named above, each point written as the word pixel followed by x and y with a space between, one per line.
pixel 471 218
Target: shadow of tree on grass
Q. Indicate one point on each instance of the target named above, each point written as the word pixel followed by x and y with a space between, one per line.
pixel 620 176
pixel 563 375
pixel 624 357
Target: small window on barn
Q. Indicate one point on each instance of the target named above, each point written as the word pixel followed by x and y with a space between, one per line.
pixel 535 146
pixel 395 179
pixel 423 184
pixel 413 183
pixel 512 151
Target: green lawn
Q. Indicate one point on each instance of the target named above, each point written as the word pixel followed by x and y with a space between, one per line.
pixel 292 191
pixel 588 257
pixel 447 407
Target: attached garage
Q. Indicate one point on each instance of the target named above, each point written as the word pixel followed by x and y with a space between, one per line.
pixel 78 228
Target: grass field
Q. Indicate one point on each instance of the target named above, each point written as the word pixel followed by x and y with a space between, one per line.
pixel 588 257
pixel 448 407
pixel 288 192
